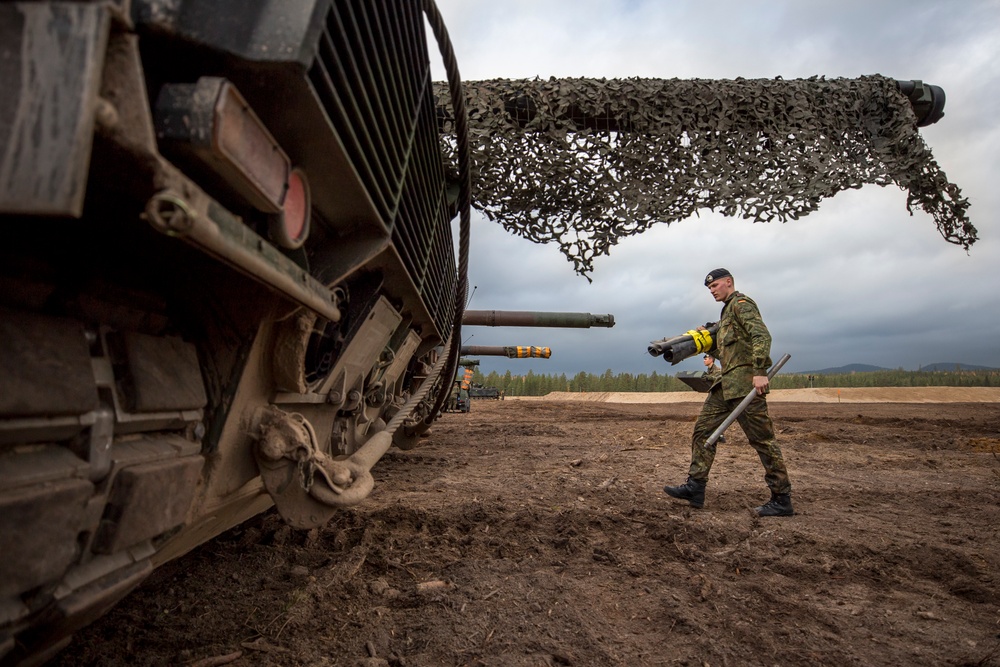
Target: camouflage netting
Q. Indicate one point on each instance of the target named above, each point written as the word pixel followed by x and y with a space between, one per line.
pixel 586 162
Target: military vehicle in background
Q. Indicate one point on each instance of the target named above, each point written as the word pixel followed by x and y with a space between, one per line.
pixel 458 401
pixel 228 278
pixel 480 391
pixel 466 389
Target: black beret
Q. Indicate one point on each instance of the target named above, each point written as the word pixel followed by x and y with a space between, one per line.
pixel 716 274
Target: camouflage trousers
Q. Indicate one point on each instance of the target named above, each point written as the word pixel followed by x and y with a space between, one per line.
pixel 755 422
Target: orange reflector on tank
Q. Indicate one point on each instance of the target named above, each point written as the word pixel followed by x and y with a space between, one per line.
pixel 241 139
pixel 290 228
pixel 210 128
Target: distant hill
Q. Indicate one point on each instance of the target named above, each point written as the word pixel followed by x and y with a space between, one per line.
pixel 868 368
pixel 952 366
pixel 849 368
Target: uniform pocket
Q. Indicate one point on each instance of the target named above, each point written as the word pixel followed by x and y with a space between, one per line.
pixel 726 336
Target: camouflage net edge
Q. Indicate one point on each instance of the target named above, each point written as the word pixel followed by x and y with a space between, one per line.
pixel 587 162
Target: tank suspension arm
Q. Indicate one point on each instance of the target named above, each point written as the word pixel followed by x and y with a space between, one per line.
pixel 361 462
pixel 307 484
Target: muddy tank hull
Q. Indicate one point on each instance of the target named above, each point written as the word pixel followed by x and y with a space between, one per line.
pixel 165 297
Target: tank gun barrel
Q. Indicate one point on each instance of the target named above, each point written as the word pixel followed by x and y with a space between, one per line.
pixel 927 100
pixel 509 351
pixel 523 318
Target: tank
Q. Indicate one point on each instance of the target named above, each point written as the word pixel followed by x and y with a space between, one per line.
pixel 228 262
pixel 482 391
pixel 228 257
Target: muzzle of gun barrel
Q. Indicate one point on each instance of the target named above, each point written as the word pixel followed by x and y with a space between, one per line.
pixel 662 346
pixel 680 351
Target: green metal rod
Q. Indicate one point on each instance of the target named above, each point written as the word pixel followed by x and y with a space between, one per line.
pixel 712 439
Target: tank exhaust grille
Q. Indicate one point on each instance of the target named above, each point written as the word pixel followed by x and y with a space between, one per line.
pixel 372 75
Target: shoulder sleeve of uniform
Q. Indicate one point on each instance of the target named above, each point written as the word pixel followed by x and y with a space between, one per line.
pixel 760 338
pixel 745 307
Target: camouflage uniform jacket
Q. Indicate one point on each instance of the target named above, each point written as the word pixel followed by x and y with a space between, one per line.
pixel 742 345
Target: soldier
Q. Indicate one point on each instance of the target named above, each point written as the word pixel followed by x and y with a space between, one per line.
pixel 743 345
pixel 711 370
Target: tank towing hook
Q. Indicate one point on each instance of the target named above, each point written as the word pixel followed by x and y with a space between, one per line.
pixel 306 484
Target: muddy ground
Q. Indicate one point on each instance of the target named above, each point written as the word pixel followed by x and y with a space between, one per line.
pixel 536 533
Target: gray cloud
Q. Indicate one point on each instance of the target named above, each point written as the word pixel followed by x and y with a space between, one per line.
pixel 860 280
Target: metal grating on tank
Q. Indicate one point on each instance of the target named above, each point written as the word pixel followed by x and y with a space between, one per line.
pixel 372 75
pixel 360 74
pixel 422 233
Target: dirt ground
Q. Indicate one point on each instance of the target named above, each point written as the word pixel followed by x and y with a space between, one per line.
pixel 535 532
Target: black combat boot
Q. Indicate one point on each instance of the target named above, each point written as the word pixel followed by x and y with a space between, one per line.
pixel 780 504
pixel 692 491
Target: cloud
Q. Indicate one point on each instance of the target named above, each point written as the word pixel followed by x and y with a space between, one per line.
pixel 861 280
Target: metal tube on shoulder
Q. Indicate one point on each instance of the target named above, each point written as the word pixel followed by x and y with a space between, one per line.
pixel 734 415
pixel 679 348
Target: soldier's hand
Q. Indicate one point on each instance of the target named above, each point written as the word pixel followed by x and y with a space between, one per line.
pixel 760 383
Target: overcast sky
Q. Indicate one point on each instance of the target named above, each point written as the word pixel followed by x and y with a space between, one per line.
pixel 859 281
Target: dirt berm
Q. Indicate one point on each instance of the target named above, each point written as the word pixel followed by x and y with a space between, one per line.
pixel 820 395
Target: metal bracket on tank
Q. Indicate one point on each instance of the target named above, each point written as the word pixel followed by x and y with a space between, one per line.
pixel 205 224
pixel 307 484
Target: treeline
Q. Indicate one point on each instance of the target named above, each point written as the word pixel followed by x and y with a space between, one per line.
pixel 531 384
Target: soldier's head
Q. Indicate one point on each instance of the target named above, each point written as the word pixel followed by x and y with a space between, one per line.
pixel 709 360
pixel 720 283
